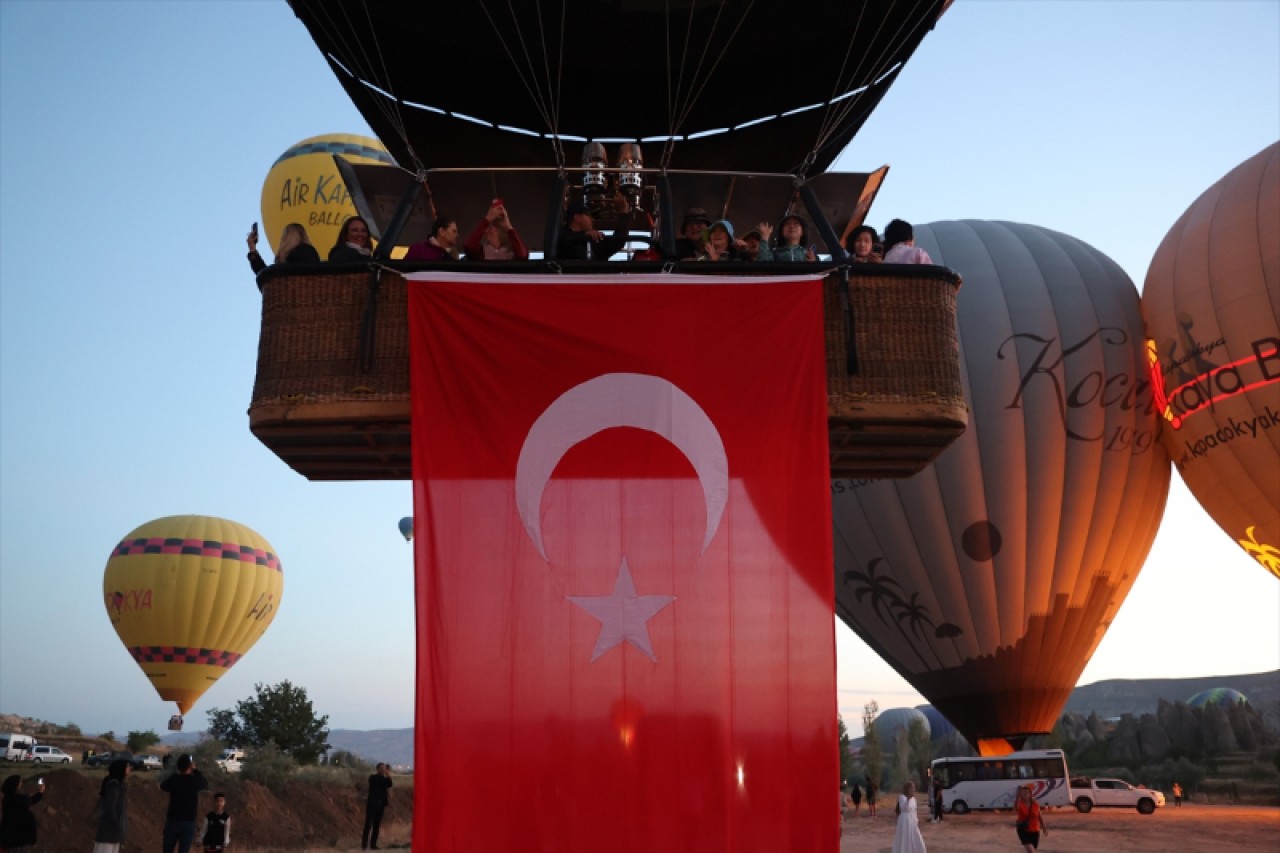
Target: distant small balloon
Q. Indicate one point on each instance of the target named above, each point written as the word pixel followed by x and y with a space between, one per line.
pixel 406 528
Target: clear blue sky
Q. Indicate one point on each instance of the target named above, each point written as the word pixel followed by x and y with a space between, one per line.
pixel 134 137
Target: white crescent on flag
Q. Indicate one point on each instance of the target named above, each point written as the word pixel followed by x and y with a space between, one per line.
pixel 620 400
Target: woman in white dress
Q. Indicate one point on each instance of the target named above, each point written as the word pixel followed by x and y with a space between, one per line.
pixel 907 838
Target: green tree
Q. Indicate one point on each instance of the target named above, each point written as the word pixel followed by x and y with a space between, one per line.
pixel 108 735
pixel 282 715
pixel 846 757
pixel 921 751
pixel 138 742
pixel 872 754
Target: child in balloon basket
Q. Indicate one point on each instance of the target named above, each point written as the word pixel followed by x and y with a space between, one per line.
pixel 216 833
pixel 861 245
pixel 720 245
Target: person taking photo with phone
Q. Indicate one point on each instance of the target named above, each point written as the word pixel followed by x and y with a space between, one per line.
pixel 17 822
pixel 183 787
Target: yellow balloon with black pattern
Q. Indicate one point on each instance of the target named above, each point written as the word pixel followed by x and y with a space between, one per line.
pixel 189 595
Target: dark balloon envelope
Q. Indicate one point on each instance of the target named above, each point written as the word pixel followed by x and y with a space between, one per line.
pixel 486 84
pixel 1212 303
pixel 988 579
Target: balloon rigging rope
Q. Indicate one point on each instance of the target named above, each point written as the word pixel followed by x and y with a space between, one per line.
pixel 682 109
pixel 547 102
pixel 364 68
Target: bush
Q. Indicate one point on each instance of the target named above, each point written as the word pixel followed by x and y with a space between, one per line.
pixel 206 753
pixel 268 766
pixel 330 775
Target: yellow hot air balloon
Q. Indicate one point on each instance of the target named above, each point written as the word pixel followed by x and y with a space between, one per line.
pixel 304 186
pixel 189 595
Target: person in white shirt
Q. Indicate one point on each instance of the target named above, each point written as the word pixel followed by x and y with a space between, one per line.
pixel 900 245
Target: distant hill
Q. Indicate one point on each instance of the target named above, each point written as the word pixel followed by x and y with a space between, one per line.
pixel 1142 696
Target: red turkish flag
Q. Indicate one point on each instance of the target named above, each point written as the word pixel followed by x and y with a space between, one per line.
pixel 623 555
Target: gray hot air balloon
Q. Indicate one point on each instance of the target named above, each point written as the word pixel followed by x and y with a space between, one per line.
pixel 988 579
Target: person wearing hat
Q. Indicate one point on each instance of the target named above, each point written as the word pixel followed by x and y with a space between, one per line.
pixel 691 241
pixel 751 245
pixel 790 244
pixel 719 245
pixel 580 241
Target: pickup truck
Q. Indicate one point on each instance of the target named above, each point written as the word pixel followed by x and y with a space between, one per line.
pixel 1087 793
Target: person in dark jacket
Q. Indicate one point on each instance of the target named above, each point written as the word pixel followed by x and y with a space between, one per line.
pixel 17 823
pixel 354 244
pixel 379 797
pixel 580 241
pixel 113 811
pixel 216 834
pixel 295 248
pixel 184 787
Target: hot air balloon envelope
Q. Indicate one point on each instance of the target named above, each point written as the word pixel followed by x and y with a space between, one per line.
pixel 988 579
pixel 406 528
pixel 189 595
pixel 1212 303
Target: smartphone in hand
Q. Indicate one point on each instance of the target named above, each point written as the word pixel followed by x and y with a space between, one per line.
pixel 253 231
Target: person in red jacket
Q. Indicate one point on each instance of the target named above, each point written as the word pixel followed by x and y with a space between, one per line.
pixel 1029 822
pixel 494 238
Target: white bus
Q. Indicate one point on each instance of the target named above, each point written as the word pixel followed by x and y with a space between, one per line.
pixel 992 783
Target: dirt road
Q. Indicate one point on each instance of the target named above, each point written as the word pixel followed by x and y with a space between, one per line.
pixel 1190 829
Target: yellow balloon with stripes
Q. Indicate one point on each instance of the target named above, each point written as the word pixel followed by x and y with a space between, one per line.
pixel 189 595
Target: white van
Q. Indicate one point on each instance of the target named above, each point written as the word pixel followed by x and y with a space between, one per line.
pixel 15 747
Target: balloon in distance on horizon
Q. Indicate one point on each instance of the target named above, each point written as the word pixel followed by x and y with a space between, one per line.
pixel 1212 303
pixel 406 528
pixel 1217 696
pixel 890 723
pixel 189 595
pixel 988 579
pixel 304 186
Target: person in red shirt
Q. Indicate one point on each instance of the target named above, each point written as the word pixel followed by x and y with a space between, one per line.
pixel 1030 823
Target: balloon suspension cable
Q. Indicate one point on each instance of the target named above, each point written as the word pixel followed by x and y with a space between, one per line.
pixel 547 101
pixel 680 102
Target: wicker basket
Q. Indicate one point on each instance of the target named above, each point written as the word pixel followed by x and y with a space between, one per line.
pixel 331 396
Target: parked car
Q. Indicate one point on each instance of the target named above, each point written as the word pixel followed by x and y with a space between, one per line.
pixel 41 754
pixel 231 760
pixel 1087 793
pixel 151 762
pixel 103 759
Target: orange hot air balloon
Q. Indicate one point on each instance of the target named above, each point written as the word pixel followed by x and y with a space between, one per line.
pixel 1212 303
pixel 189 595
pixel 988 579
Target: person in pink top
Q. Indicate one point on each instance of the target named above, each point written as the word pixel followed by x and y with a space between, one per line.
pixel 900 245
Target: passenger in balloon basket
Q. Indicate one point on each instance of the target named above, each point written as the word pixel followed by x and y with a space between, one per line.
pixel 750 245
pixel 900 245
pixel 494 238
pixel 690 242
pixel 861 245
pixel 17 822
pixel 354 244
pixel 442 245
pixel 294 248
pixel 720 245
pixel 790 244
pixel 183 787
pixel 580 241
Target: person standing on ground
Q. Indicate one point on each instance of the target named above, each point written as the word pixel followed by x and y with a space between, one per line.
pixel 937 803
pixel 1029 822
pixel 855 794
pixel 184 787
pixel 216 834
pixel 907 837
pixel 379 797
pixel 112 811
pixel 871 797
pixel 1177 795
pixel 17 823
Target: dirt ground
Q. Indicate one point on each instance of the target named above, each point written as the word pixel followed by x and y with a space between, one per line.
pixel 1190 829
pixel 317 817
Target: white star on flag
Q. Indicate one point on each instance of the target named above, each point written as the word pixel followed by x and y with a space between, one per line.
pixel 623 614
